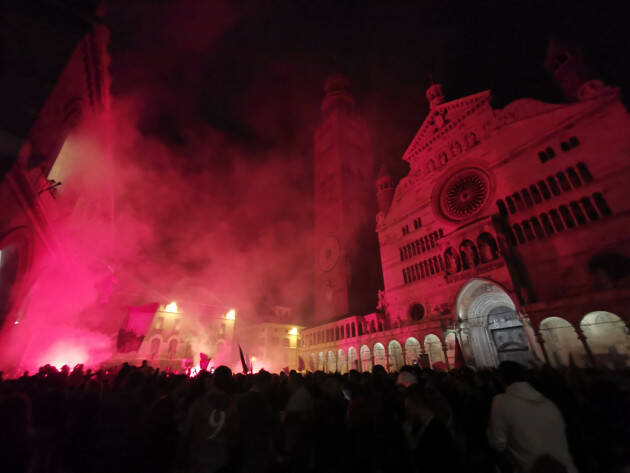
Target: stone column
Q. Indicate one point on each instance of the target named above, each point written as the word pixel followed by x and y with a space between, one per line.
pixel 445 350
pixel 587 348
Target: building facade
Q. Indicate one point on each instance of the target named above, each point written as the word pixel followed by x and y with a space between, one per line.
pixel 508 237
pixel 52 80
pixel 270 345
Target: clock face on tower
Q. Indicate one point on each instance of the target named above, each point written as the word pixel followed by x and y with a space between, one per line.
pixel 328 254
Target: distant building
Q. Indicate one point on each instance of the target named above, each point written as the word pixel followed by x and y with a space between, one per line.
pixel 269 345
pixel 508 236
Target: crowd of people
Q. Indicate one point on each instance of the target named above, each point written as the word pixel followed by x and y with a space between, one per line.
pixel 137 419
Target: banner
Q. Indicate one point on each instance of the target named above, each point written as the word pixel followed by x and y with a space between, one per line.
pixel 135 326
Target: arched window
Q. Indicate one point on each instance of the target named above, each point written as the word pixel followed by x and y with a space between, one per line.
pixel 573 177
pixel 510 204
pixel 601 204
pixel 422 244
pixel 441 232
pixel 577 213
pixel 553 185
pixel 557 221
pixel 565 146
pixel 432 240
pixel 404 273
pixel 538 230
pixel 451 261
pixel 436 264
pixel 547 224
pixel 172 349
pixel 155 348
pixel 468 254
pixel 588 207
pixel 527 198
pixel 426 267
pixel 337 336
pixel 544 190
pixel 574 141
pixel 584 172
pixel 519 233
pixel 528 231
pixel 417 243
pixel 487 247
pixel 414 275
pixel 421 269
pixel 431 267
pixel 550 152
pixel 402 256
pixel 564 182
pixel 566 216
pixel 535 194
pixel 441 262
pixel 502 208
pixel 416 312
pixel 542 156
pixel 413 249
pixel 518 201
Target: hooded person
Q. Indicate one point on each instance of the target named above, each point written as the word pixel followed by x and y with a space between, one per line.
pixel 525 424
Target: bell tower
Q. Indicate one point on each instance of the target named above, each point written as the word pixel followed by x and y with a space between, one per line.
pixel 346 246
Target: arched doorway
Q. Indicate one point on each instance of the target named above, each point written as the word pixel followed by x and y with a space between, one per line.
pixel 491 329
pixel 395 356
pixel 353 359
pixel 320 361
pixel 412 350
pixel 332 362
pixel 433 348
pixel 607 336
pixel 379 355
pixel 561 342
pixel 366 358
pixel 172 349
pixel 342 367
pixel 155 348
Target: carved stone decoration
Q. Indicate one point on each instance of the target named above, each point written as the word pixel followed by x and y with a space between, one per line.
pixel 464 194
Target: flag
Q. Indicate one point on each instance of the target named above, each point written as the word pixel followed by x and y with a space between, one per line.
pixel 301 364
pixel 243 363
pixel 203 361
pixel 458 362
pixel 135 326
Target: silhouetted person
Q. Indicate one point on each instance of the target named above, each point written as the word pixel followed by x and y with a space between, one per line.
pixel 525 424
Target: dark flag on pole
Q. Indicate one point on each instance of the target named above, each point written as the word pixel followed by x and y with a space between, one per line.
pixel 243 363
pixel 203 361
pixel 135 326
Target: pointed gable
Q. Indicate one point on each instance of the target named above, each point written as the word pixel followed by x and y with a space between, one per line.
pixel 442 119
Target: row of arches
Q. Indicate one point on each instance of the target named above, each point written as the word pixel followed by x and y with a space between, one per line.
pixel 392 359
pixel 344 331
pixel 602 333
pixel 421 245
pixel 544 189
pixel 470 254
pixel 560 219
pixel 155 349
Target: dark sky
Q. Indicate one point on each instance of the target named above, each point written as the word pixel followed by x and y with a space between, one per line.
pixel 255 69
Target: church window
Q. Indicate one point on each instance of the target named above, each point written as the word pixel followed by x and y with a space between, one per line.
pixel 519 233
pixel 542 156
pixel 413 250
pixel 527 198
pixel 436 265
pixel 426 243
pixel 422 244
pixel 553 185
pixel 584 172
pixel 413 273
pixel 401 254
pixel 577 213
pixel 565 146
pixel 426 268
pixel 557 221
pixel 564 182
pixel 420 275
pixel 544 190
pixel 528 231
pixel 550 152
pixel 566 216
pixel 336 333
pixel 441 261
pixel 573 177
pixel 574 141
pixel 416 312
pixel 510 204
pixel 421 268
pixel 360 329
pixel 441 233
pixel 417 243
pixel 535 194
pixel 590 210
pixel 538 230
pixel 601 204
pixel 431 267
pixel 547 224
pixel 518 201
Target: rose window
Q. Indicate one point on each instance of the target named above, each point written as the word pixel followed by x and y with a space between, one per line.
pixel 464 194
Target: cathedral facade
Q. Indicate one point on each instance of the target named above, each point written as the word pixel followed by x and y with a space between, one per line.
pixel 507 240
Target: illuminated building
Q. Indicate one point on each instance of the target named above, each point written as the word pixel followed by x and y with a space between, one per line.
pixel 274 345
pixel 509 235
pixel 53 78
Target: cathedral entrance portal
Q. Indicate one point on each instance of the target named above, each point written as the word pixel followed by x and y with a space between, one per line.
pixel 491 329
